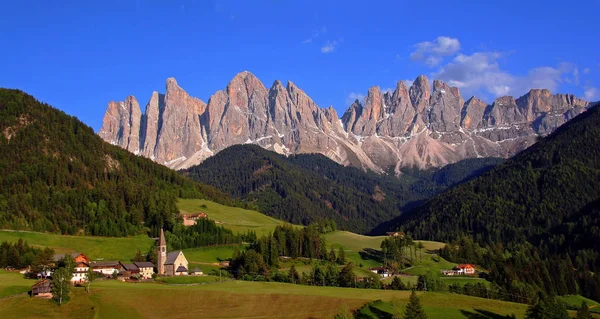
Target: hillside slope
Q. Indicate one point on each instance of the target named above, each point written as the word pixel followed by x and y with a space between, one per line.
pixel 304 188
pixel 57 175
pixel 541 188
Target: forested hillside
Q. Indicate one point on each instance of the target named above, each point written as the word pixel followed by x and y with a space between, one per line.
pixel 57 175
pixel 305 188
pixel 537 215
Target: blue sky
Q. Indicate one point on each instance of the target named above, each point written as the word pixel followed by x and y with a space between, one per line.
pixel 78 55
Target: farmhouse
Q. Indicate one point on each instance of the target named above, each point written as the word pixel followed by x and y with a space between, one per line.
pixel 169 263
pixel 42 289
pixel 190 219
pixel 80 273
pixel 106 268
pixel 467 269
pixel 196 272
pixel 77 257
pixel 146 269
pixel 382 271
pixel 395 234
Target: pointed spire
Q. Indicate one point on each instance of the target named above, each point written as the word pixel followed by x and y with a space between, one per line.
pixel 161 239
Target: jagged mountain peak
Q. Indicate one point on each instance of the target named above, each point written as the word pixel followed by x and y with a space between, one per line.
pixel 424 125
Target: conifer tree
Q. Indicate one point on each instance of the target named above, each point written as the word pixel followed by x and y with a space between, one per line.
pixel 61 284
pixel 341 257
pixel 414 309
pixel 584 311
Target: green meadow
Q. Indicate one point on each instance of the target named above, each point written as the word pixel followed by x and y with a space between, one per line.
pixel 234 218
pixel 236 299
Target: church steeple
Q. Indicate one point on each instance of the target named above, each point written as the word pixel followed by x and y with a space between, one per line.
pixel 161 253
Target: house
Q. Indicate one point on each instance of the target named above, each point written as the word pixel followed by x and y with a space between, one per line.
pixel 42 289
pixel 467 269
pixel 106 268
pixel 395 234
pixel 190 219
pixel 146 269
pixel 382 271
pixel 77 257
pixel 169 263
pixel 126 271
pixel 181 271
pixel 196 272
pixel 80 273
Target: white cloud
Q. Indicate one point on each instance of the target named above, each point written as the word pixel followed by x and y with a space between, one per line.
pixel 591 94
pixel 587 71
pixel 388 90
pixel 330 46
pixel 353 97
pixel 432 52
pixel 576 76
pixel 481 73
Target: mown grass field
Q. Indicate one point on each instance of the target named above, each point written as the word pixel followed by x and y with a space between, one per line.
pixel 13 283
pixel 188 280
pixel 234 218
pixel 108 248
pixel 235 299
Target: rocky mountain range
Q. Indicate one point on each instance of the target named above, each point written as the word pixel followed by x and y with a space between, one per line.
pixel 425 125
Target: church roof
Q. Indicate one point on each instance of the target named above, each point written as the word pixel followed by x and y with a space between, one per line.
pixel 171 257
pixel 196 270
pixel 161 239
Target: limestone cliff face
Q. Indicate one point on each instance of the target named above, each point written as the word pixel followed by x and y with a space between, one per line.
pixel 422 126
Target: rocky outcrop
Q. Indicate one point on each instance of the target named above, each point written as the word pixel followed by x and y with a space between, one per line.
pixel 422 126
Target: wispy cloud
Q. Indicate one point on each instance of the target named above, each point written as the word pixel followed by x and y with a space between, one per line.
pixel 330 46
pixel 432 52
pixel 353 97
pixel 587 71
pixel 322 30
pixel 591 94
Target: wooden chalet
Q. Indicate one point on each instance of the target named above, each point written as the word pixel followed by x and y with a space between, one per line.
pixel 42 289
pixel 395 234
pixel 190 219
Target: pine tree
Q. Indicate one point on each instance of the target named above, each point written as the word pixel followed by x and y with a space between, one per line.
pixel 547 308
pixel 293 275
pixel 332 256
pixel 139 257
pixel 584 311
pixel 414 309
pixel 341 257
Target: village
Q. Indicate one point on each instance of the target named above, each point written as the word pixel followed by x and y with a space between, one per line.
pixel 168 264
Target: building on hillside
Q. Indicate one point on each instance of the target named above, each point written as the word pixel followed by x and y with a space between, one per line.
pixel 467 269
pixel 126 271
pixel 382 271
pixel 196 272
pixel 77 257
pixel 190 219
pixel 146 269
pixel 42 289
pixel 168 263
pixel 106 268
pixel 395 234
pixel 80 273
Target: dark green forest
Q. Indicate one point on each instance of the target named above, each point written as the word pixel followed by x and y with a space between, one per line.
pixel 304 188
pixel 57 175
pixel 536 216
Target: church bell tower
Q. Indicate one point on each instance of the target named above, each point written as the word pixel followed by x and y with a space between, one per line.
pixel 161 253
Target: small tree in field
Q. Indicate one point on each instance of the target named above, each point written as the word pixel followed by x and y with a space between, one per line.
pixel 414 309
pixel 584 311
pixel 61 284
pixel 90 275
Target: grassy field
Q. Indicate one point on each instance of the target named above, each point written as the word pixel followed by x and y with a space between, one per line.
pixel 575 301
pixel 13 283
pixel 234 299
pixel 188 280
pixel 109 248
pixel 236 219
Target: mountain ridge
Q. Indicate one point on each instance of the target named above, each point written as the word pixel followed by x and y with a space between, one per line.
pixel 424 125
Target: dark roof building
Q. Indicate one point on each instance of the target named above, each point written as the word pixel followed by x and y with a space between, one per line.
pixel 130 267
pixel 172 257
pixel 144 264
pixel 181 269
